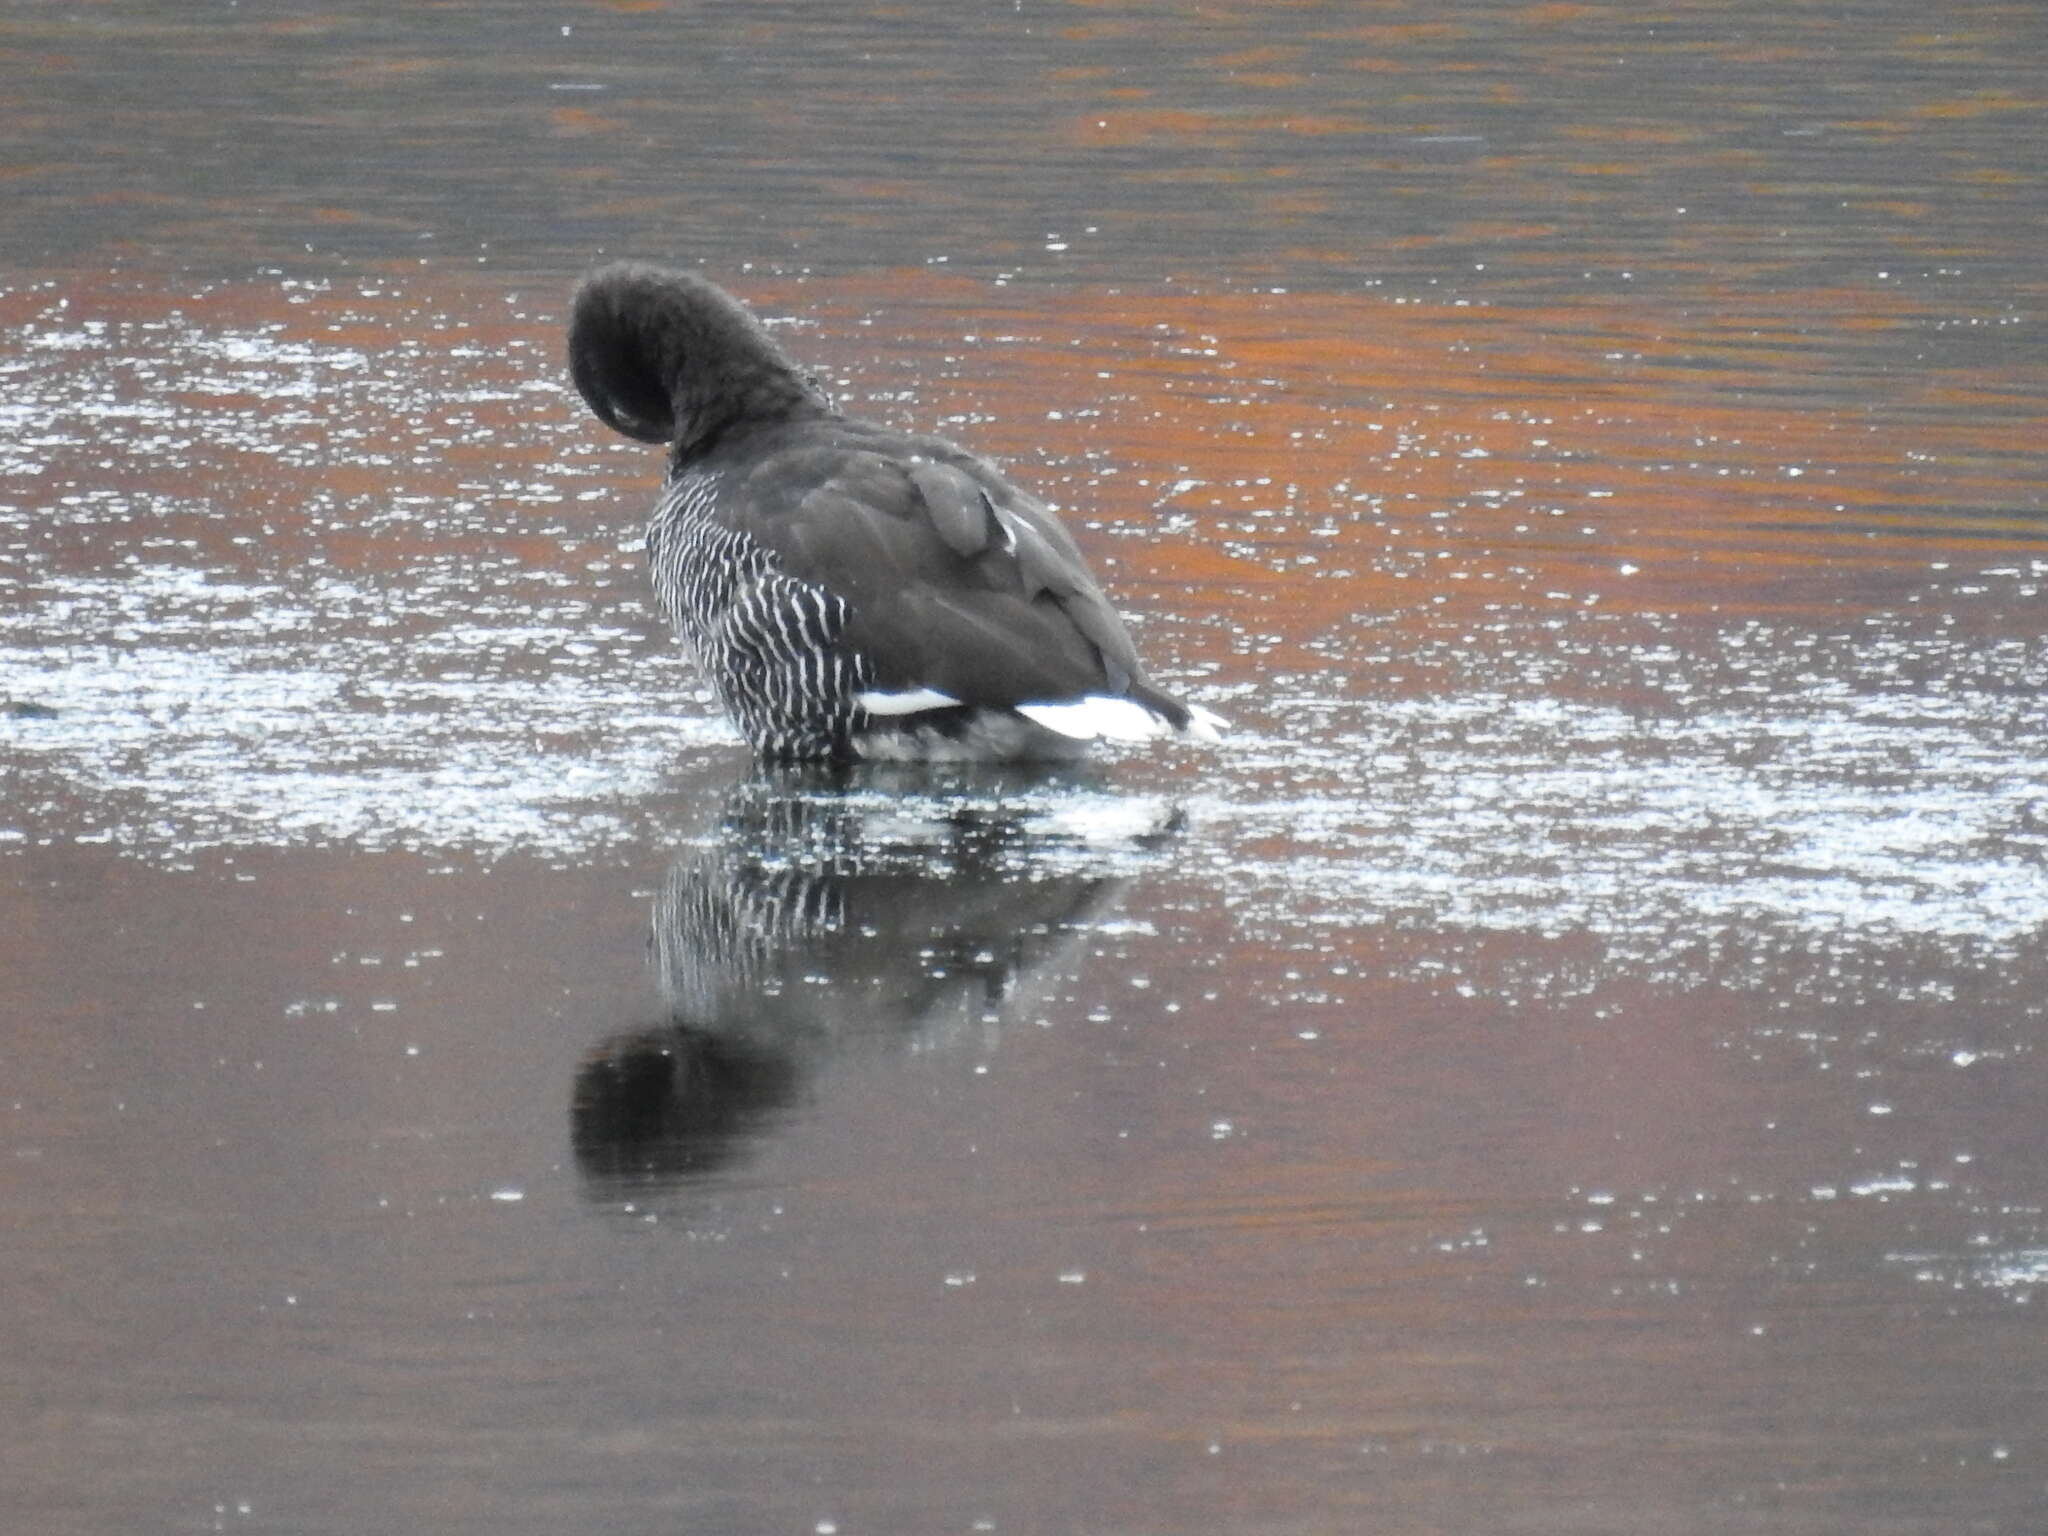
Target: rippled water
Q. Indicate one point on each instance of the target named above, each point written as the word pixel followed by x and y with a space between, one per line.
pixel 1568 1063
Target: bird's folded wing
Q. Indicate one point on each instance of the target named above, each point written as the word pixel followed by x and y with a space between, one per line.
pixel 954 580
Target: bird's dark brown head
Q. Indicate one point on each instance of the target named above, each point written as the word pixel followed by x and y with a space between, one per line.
pixel 670 357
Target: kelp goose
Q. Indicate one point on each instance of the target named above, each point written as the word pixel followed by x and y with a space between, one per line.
pixel 849 590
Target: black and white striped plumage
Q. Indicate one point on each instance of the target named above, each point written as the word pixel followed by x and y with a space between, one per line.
pixel 850 590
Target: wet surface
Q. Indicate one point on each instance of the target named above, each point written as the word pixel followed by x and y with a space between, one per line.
pixel 1568 1064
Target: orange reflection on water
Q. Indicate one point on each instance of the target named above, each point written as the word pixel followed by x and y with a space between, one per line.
pixel 1337 454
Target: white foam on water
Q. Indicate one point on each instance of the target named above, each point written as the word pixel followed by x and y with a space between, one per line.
pixel 1879 787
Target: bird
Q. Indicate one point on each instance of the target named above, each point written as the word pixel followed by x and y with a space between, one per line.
pixel 851 591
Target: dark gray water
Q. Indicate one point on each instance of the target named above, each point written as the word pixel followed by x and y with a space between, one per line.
pixel 1568 1064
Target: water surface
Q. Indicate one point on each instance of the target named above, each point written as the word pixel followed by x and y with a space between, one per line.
pixel 1568 1064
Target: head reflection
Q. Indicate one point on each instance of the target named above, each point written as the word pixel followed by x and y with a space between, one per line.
pixel 832 912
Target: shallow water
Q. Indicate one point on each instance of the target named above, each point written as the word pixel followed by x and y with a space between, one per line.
pixel 1569 1062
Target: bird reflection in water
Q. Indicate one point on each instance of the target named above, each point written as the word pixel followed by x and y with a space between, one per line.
pixel 831 911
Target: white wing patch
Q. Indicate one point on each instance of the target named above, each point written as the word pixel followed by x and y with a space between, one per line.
pixel 907 701
pixel 1096 715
